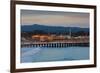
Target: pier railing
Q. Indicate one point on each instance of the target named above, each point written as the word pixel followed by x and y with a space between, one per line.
pixel 56 44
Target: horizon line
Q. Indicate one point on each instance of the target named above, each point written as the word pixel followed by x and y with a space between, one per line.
pixel 52 25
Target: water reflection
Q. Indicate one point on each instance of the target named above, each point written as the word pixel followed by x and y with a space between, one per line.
pixel 54 54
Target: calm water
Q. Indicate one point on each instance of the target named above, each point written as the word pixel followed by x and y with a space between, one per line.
pixel 54 54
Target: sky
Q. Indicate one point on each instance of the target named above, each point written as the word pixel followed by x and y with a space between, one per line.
pixel 53 18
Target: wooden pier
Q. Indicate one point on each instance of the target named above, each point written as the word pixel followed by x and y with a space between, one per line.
pixel 57 44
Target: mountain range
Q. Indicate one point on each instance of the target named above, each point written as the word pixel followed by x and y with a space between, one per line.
pixel 51 29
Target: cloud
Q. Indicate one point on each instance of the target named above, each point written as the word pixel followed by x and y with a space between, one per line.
pixel 55 18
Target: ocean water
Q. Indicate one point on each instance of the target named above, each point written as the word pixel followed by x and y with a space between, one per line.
pixel 54 54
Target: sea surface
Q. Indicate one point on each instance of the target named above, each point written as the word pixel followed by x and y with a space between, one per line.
pixel 54 54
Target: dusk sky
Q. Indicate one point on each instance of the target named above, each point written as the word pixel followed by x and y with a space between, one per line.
pixel 53 18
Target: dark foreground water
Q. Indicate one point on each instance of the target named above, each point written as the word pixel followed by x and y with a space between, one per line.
pixel 54 54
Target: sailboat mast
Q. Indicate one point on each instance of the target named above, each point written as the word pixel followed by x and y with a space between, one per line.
pixel 70 33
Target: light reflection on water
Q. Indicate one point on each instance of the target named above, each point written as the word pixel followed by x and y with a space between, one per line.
pixel 54 54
